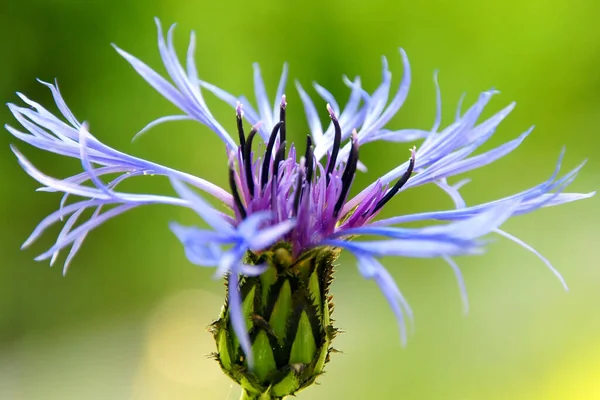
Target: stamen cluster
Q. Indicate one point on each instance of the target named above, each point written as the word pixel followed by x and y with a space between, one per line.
pixel 307 191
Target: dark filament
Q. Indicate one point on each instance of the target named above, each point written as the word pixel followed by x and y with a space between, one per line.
pixel 240 129
pixel 305 172
pixel 299 190
pixel 266 162
pixel 401 182
pixel 337 139
pixel 282 131
pixel 235 193
pixel 347 177
pixel 309 156
pixel 248 161
pixel 278 159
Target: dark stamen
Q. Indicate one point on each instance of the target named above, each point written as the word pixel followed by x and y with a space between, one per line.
pixel 337 139
pixel 401 182
pixel 278 159
pixel 309 156
pixel 348 175
pixel 282 131
pixel 248 161
pixel 299 188
pixel 240 125
pixel 266 162
pixel 235 193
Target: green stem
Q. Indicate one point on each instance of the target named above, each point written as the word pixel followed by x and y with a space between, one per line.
pixel 264 396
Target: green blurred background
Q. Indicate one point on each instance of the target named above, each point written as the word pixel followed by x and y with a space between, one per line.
pixel 128 321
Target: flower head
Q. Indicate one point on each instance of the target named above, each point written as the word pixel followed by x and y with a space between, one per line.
pixel 282 194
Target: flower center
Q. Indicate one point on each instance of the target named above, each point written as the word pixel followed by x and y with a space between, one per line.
pixel 312 193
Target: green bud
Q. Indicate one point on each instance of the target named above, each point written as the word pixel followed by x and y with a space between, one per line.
pixel 288 316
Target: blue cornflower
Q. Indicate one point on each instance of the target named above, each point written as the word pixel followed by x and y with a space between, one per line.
pixel 281 200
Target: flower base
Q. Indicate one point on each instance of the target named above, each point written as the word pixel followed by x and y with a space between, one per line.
pixel 288 316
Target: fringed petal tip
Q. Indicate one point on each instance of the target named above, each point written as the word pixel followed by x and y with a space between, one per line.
pixel 184 91
pixel 372 269
pixel 529 248
pixel 159 121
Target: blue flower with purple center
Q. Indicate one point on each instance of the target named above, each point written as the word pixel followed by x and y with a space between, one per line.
pixel 282 193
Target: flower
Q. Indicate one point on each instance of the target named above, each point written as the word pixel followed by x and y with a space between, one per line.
pixel 279 197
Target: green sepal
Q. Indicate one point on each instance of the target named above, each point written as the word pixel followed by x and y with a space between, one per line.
pixel 321 360
pixel 304 346
pixel 267 280
pixel 223 342
pixel 248 306
pixel 249 385
pixel 264 359
pixel 315 290
pixel 289 384
pixel 281 312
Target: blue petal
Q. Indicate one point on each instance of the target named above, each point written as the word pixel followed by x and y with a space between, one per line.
pixel 202 208
pixel 77 243
pixel 312 117
pixel 534 251
pixel 84 229
pixel 396 102
pixel 231 261
pixel 541 195
pixel 459 106
pixel 159 83
pixel 49 133
pixel 461 283
pixel 253 270
pixel 468 164
pixel 249 113
pixel 200 247
pixel 372 269
pixel 262 99
pixel 453 191
pixel 159 121
pixel 65 230
pixel 90 192
pixel 465 230
pixel 250 226
pixel 327 97
pixel 280 92
pixel 563 198
pixel 426 248
pixel 60 103
pixel 379 99
pixel 269 236
pixel 56 216
pixel 438 104
pixel 192 71
pixel 87 166
pixel 185 93
pixel 399 136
